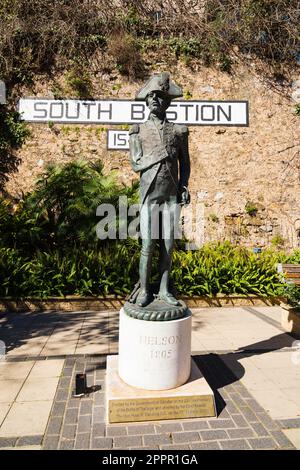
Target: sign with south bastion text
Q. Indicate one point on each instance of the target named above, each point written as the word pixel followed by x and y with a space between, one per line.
pixel 191 113
pixel 203 113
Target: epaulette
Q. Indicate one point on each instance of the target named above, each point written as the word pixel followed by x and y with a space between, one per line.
pixel 134 129
pixel 182 129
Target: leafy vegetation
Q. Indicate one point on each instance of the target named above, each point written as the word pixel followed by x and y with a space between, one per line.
pixel 291 293
pixel 113 269
pixel 277 240
pixel 13 134
pixel 297 109
pixel 39 36
pixel 49 247
pixel 251 209
pixel 61 210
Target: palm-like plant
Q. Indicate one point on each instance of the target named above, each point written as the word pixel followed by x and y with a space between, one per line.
pixel 66 198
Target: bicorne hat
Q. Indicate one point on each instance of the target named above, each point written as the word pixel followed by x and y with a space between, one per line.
pixel 160 82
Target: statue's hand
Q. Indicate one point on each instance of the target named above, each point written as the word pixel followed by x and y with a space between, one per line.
pixel 185 196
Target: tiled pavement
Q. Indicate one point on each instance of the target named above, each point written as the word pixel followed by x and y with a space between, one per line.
pixel 243 353
pixel 79 423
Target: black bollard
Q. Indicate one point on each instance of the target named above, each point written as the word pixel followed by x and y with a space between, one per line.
pixel 80 385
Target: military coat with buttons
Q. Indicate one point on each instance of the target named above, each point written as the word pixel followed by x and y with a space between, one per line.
pixel 161 157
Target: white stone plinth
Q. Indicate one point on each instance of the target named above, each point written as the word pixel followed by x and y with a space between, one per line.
pixel 154 355
pixel 126 404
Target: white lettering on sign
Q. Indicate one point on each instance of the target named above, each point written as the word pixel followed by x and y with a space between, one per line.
pixel 202 113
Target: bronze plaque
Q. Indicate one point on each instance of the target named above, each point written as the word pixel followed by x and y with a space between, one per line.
pixel 150 409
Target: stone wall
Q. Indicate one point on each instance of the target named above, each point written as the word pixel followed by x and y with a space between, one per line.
pixel 232 168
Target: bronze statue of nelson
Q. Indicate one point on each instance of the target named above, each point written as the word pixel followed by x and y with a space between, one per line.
pixel 159 152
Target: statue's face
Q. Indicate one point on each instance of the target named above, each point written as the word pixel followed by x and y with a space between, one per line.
pixel 157 102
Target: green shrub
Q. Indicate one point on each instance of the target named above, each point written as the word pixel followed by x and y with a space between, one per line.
pixel 65 199
pixel 79 82
pixel 113 269
pixel 277 240
pixel 297 109
pixel 124 49
pixel 185 47
pixel 13 134
pixel 291 292
pixel 214 218
pixel 251 209
pixel 69 272
pixel 224 268
pixel 39 36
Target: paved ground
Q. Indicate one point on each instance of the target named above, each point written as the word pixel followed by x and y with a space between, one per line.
pixel 252 365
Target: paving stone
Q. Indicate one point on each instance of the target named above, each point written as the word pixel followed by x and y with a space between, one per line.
pixel 51 442
pixel 281 440
pixel 237 399
pixel 144 448
pixel 235 444
pixel 213 435
pixel 262 443
pixel 62 394
pixel 100 383
pixel 167 427
pixel 240 421
pixel 254 405
pixel 82 440
pixel 67 372
pixel 269 423
pixel 195 425
pixel 136 429
pixel 157 439
pixel 99 414
pixel 54 425
pixel 224 414
pixel 221 424
pixel 102 443
pixel 290 423
pixel 259 429
pixel 231 407
pixel 244 392
pixel 25 419
pixel 71 416
pixel 84 423
pixel 86 407
pixel 127 441
pixel 8 441
pixel 212 445
pixel 230 389
pixel 58 408
pixel 30 440
pixel 67 444
pixel 248 414
pixel 100 374
pixel 69 362
pixel 224 394
pixel 116 431
pixel 98 430
pixel 74 403
pixel 68 431
pixel 185 437
pixel 99 398
pixel 176 447
pixel 240 433
pixel 65 382
pixel 237 425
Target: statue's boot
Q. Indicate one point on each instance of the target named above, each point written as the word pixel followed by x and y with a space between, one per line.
pixel 143 299
pixel 169 298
